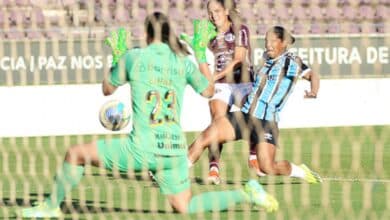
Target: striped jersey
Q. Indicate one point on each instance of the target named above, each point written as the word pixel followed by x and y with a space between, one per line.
pixel 272 87
pixel 223 45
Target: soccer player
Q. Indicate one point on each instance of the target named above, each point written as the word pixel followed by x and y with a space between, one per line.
pixel 258 119
pixel 158 75
pixel 233 72
pixel 233 75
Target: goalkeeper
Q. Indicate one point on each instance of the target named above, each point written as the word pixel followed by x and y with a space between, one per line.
pixel 158 75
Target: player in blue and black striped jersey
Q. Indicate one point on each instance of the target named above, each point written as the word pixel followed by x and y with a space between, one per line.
pixel 258 119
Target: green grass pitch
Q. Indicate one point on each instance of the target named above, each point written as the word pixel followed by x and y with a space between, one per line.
pixel 354 162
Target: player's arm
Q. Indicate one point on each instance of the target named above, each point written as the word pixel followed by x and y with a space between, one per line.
pixel 314 79
pixel 199 79
pixel 205 70
pixel 310 75
pixel 107 87
pixel 117 41
pixel 238 59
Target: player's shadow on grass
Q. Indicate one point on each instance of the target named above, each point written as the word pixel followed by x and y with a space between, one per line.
pixel 202 181
pixel 84 207
pixel 17 203
pixel 76 206
pixel 140 176
pixel 88 206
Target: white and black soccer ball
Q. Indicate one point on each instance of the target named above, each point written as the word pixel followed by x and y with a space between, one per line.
pixel 114 115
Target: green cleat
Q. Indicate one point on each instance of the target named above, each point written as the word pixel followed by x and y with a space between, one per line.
pixel 42 210
pixel 311 176
pixel 258 196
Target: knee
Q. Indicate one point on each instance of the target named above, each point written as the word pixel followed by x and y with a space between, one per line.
pixel 181 210
pixel 206 139
pixel 181 202
pixel 268 168
pixel 73 154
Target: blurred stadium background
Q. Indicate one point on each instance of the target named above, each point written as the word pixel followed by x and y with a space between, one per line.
pixel 52 42
pixel 37 19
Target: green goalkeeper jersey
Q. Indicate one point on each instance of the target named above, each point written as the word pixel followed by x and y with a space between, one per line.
pixel 157 78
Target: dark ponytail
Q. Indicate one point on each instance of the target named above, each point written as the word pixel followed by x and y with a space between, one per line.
pixel 157 27
pixel 283 34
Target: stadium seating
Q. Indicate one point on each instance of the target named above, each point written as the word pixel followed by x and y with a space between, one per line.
pixel 282 14
pixel 261 28
pixel 349 12
pixel 2 18
pixel 45 18
pixel 122 15
pixel 333 28
pixel 299 28
pixel 298 13
pixel 366 12
pixel 315 12
pixel 332 13
pixel 264 14
pixel 315 28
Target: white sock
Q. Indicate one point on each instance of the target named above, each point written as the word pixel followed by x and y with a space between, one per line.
pixel 252 157
pixel 190 164
pixel 297 171
pixel 214 168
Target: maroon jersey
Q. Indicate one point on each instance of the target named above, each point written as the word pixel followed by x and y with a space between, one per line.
pixel 223 46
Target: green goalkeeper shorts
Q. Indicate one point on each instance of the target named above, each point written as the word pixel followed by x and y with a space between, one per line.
pixel 170 172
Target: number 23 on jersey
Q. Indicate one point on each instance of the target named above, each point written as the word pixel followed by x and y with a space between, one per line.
pixel 164 107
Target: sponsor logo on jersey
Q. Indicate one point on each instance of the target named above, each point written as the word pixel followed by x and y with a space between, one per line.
pixel 229 37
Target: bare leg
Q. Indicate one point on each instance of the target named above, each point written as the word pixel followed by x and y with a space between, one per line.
pixel 83 154
pixel 217 109
pixel 71 172
pixel 184 202
pixel 211 135
pixel 266 158
pixel 180 201
pixel 253 161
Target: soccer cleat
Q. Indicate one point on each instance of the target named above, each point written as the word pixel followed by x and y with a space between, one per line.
pixel 310 176
pixel 254 165
pixel 213 177
pixel 42 210
pixel 259 197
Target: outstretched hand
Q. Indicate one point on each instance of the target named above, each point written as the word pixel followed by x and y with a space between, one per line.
pixel 117 41
pixel 310 95
pixel 204 31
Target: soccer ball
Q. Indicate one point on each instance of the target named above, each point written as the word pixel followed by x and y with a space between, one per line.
pixel 114 115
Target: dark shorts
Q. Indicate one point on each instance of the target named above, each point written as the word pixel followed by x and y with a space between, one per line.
pixel 252 129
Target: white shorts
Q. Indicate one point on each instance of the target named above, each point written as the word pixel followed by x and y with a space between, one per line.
pixel 231 92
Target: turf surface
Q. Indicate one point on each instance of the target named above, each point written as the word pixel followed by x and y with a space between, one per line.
pixel 354 162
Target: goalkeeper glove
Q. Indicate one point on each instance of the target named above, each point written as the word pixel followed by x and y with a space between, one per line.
pixel 117 41
pixel 204 31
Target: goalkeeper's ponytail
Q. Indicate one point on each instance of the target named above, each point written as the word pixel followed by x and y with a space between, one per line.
pixel 158 27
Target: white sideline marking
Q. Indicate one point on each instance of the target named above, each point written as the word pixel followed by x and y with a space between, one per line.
pixel 342 179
